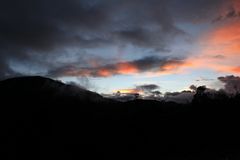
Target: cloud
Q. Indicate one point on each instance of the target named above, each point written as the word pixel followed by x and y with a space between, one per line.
pixel 195 93
pixel 225 39
pixel 32 28
pixel 124 95
pixel 229 10
pixel 129 91
pixel 193 88
pixel 5 70
pixel 34 31
pixel 148 87
pixel 179 97
pixel 142 89
pixel 147 64
pixel 231 84
pixel 219 49
pixel 236 69
pixel 150 91
pixel 219 45
pixel 84 83
pixel 195 11
pixel 232 13
pixel 145 91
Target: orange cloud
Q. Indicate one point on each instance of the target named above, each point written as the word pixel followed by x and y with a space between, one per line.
pixel 220 52
pixel 126 68
pixel 226 39
pixel 119 68
pixel 236 69
pixel 148 65
pixel 220 49
pixel 175 65
pixel 104 72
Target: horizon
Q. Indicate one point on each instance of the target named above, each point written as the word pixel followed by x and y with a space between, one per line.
pixel 230 90
pixel 109 46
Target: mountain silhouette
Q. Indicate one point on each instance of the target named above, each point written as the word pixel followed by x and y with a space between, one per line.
pixel 38 87
pixel 46 119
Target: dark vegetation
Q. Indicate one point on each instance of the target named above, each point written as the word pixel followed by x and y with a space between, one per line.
pixel 46 119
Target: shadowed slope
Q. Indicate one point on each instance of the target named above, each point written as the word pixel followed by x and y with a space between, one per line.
pixel 38 87
pixel 45 119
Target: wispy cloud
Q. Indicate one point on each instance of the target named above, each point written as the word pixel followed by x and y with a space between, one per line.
pixel 230 9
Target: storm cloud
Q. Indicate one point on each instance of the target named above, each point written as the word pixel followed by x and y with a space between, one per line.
pixel 35 35
pixel 29 28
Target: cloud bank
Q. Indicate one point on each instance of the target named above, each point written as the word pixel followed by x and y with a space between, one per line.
pixel 32 28
pixel 146 64
pixel 34 33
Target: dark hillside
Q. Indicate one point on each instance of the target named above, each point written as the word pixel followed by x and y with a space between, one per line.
pixel 46 119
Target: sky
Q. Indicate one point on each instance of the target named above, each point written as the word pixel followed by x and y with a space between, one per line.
pixel 118 45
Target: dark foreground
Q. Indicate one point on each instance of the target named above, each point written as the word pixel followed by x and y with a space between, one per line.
pixel 41 121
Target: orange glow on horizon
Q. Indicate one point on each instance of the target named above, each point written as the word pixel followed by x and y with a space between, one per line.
pixel 129 91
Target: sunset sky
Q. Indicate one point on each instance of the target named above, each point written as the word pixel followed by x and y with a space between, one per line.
pixel 111 45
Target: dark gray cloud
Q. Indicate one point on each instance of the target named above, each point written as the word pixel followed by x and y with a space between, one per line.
pixel 5 70
pixel 188 96
pixel 151 91
pixel 203 79
pixel 151 63
pixel 145 91
pixel 230 10
pixel 196 11
pixel 193 88
pixel 147 87
pixel 123 97
pixel 179 97
pixel 231 84
pixel 232 13
pixel 30 27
